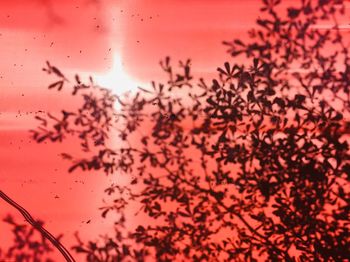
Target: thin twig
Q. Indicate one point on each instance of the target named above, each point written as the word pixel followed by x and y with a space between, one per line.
pixel 38 227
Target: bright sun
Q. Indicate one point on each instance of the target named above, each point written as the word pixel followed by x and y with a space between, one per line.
pixel 117 79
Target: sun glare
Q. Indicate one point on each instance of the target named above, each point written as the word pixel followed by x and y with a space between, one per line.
pixel 117 79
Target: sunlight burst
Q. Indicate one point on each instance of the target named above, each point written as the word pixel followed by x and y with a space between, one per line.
pixel 117 79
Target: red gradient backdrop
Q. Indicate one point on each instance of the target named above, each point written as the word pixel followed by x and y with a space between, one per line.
pixel 84 36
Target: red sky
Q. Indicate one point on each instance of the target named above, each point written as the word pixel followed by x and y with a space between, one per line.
pixel 84 36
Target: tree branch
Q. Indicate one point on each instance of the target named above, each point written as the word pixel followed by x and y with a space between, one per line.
pixel 38 227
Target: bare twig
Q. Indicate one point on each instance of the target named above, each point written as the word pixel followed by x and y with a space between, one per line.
pixel 38 227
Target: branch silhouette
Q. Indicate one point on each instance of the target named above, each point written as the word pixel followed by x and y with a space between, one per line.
pixel 68 257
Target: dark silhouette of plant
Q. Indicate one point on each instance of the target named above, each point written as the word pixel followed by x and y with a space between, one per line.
pixel 255 165
pixel 29 246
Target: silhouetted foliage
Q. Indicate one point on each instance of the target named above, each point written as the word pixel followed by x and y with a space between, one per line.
pixel 255 165
pixel 27 245
pixel 25 248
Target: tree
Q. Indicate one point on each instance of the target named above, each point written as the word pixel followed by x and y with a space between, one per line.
pixel 254 164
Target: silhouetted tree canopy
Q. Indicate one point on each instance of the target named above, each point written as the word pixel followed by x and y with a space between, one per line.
pixel 252 165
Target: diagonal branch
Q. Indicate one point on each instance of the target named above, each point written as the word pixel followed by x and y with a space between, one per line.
pixel 38 227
